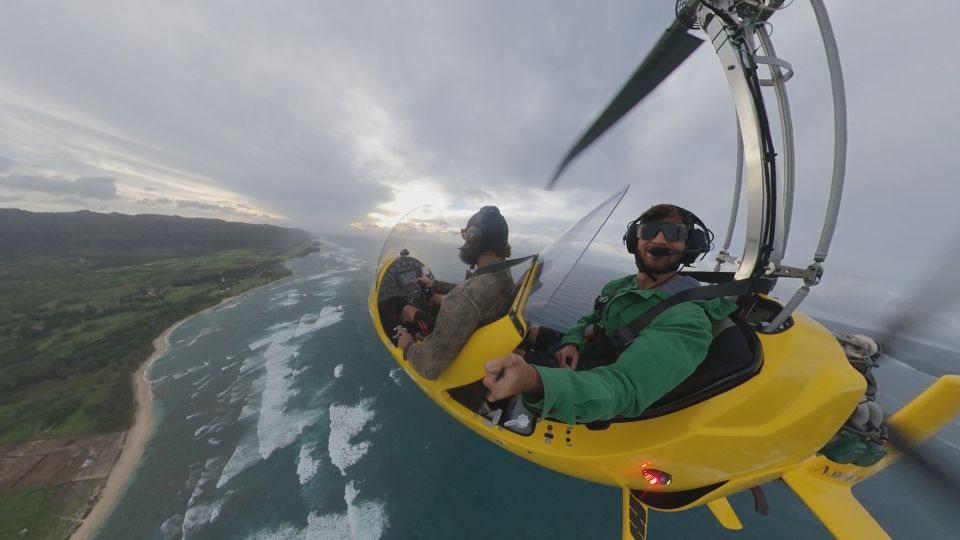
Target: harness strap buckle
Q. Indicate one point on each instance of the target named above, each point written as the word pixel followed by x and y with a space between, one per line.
pixel 623 337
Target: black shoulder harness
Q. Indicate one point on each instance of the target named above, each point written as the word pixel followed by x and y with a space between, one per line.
pixel 625 335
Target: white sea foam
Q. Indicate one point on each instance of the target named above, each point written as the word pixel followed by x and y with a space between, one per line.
pixel 274 431
pixel 189 371
pixel 333 281
pixel 201 384
pixel 307 465
pixel 250 363
pixel 209 472
pixel 246 453
pixel 213 441
pixel 228 390
pixel 311 323
pixel 203 431
pixel 327 527
pixel 276 428
pixel 397 376
pixel 202 514
pixel 202 381
pixel 204 332
pixel 172 527
pixel 279 333
pixel 296 372
pixel 314 277
pixel 285 532
pixel 346 261
pixel 259 343
pixel 346 422
pixel 196 517
pixel 362 521
pixel 230 365
pixel 229 305
pixel 338 371
pixel 248 411
pixel 290 298
pixel 367 519
pixel 251 407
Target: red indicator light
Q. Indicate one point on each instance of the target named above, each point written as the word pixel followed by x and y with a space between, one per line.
pixel 656 478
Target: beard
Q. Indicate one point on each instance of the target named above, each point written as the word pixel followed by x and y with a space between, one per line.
pixel 469 254
pixel 657 265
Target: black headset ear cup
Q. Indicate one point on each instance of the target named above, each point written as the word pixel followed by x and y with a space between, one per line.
pixel 697 245
pixel 474 235
pixel 475 232
pixel 630 237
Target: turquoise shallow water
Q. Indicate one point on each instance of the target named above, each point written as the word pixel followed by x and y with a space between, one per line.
pixel 280 415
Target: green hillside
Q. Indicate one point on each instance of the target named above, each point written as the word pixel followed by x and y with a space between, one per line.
pixel 82 296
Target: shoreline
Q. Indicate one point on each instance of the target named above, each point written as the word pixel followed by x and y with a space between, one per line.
pixel 135 441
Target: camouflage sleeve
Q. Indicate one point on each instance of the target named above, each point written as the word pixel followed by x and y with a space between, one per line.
pixel 457 319
pixel 442 287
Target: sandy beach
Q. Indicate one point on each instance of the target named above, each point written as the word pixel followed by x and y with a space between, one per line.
pixel 136 439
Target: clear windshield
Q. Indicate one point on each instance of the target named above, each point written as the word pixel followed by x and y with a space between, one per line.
pixel 425 234
pixel 556 299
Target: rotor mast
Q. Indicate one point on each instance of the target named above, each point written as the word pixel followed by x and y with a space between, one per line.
pixel 737 30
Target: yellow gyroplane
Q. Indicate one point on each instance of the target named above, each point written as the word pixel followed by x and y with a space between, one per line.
pixel 778 396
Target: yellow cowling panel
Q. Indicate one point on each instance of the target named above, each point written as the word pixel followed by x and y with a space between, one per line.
pixel 917 421
pixel 746 436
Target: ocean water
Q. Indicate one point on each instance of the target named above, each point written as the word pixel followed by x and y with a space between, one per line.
pixel 280 416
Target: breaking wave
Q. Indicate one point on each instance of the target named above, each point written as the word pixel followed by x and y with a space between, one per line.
pixel 346 422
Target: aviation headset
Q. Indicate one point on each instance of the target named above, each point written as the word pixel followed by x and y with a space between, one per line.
pixel 474 230
pixel 699 240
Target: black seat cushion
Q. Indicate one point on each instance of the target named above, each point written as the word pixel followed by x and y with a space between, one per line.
pixel 733 358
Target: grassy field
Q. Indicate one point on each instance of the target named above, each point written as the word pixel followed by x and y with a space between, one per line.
pixel 45 512
pixel 72 334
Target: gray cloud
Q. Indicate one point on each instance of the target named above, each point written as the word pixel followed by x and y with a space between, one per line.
pixel 156 201
pixel 475 195
pixel 313 111
pixel 6 165
pixel 238 211
pixel 86 187
pixel 206 206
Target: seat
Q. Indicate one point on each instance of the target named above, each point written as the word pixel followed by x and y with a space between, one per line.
pixel 733 358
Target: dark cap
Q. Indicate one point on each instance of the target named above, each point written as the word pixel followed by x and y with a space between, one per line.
pixel 494 231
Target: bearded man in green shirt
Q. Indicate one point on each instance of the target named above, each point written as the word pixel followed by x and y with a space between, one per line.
pixel 628 378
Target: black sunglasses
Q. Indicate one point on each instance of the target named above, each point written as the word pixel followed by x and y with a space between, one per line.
pixel 673 231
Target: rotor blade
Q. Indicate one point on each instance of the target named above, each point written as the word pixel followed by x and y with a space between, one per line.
pixel 927 302
pixel 943 476
pixel 669 52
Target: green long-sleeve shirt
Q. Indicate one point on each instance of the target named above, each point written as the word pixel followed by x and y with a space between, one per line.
pixel 663 354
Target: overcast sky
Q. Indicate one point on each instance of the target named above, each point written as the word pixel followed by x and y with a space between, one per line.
pixel 322 114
